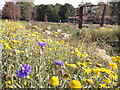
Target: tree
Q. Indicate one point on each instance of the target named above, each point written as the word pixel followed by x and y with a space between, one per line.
pixel 66 11
pixel 54 12
pixel 114 10
pixel 26 10
pixel 99 10
pixel 119 24
pixel 88 10
pixel 50 10
pixel 11 11
pixel 39 12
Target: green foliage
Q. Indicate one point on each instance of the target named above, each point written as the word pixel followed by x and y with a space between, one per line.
pixel 26 9
pixel 54 12
pixel 66 11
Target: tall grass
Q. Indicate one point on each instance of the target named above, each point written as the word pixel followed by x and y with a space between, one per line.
pixel 20 46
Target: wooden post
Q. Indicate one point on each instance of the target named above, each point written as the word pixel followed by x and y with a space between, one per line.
pixel 80 17
pixel 102 18
pixel 46 18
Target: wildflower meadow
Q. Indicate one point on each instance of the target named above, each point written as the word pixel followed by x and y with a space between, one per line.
pixel 53 55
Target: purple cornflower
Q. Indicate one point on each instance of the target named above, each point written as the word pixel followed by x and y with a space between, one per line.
pixel 24 71
pixel 43 44
pixel 59 63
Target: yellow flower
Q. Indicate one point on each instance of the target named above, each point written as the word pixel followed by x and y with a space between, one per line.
pixel 25 83
pixel 40 29
pixel 75 84
pixel 113 65
pixel 88 60
pixel 107 80
pixel 21 27
pixel 76 50
pixel 67 75
pixel 118 57
pixel 103 69
pixel 90 63
pixel 10 86
pixel 119 61
pixel 82 64
pixel 102 85
pixel 14 41
pixel 28 44
pixel 108 87
pixel 54 32
pixel 28 77
pixel 9 82
pixel 14 35
pixel 36 33
pixel 10 54
pixel 89 81
pixel 82 43
pixel 96 70
pixel 67 78
pixel 37 75
pixel 87 70
pixel 62 41
pixel 9 67
pixel 113 76
pixel 7 46
pixel 22 51
pixel 72 52
pixel 17 51
pixel 96 76
pixel 50 49
pixel 63 58
pixel 50 41
pixel 54 81
pixel 15 81
pixel 32 35
pixel 71 46
pixel 34 26
pixel 98 65
pixel 114 59
pixel 2 41
pixel 73 66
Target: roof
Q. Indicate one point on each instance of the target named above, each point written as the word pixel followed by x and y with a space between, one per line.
pixel 73 17
pixel 92 5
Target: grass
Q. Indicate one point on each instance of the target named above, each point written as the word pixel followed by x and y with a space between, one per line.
pixel 20 46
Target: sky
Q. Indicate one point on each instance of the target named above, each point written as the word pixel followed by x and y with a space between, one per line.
pixel 75 3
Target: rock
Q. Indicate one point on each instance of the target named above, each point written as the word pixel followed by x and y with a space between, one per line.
pixel 66 36
pixel 49 27
pixel 48 32
pixel 101 54
pixel 59 30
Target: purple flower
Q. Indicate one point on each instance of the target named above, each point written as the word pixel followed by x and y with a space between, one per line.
pixel 59 63
pixel 43 44
pixel 24 71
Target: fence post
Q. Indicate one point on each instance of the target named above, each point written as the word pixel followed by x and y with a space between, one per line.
pixel 102 18
pixel 80 17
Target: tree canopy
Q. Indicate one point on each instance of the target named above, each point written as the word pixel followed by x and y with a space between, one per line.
pixel 26 10
pixel 54 12
pixel 11 11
